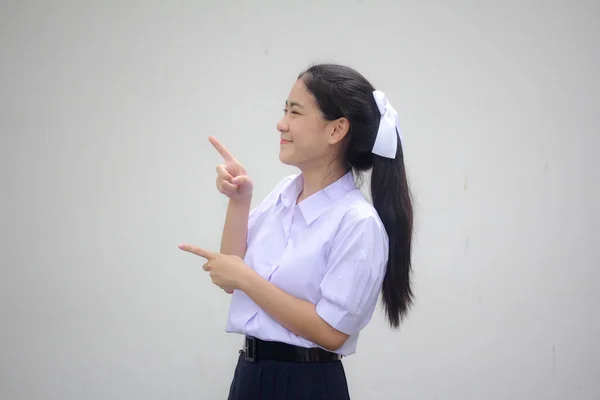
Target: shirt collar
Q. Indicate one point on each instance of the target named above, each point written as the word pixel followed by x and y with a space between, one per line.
pixel 313 206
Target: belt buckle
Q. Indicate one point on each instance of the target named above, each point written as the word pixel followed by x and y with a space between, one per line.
pixel 250 349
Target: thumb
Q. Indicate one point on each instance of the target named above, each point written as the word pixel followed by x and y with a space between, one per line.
pixel 241 180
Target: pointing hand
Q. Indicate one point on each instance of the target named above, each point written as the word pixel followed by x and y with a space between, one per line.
pixel 232 179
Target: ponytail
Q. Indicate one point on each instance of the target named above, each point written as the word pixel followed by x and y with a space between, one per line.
pixel 391 199
pixel 342 92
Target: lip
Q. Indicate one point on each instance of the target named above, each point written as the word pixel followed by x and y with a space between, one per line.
pixel 283 141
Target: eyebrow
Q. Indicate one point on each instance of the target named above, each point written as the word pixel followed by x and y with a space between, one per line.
pixel 293 103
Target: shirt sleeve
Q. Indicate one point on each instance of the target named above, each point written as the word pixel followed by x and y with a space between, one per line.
pixel 355 271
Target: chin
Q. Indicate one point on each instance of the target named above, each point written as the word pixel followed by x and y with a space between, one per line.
pixel 283 157
pixel 284 160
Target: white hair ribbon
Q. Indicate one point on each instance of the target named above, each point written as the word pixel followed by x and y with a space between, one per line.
pixel 386 143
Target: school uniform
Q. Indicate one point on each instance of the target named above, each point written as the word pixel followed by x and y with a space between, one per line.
pixel 331 250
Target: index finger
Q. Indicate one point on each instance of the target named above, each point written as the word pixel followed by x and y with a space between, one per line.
pixel 221 149
pixel 198 251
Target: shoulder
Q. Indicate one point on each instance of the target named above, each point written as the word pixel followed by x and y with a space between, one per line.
pixel 360 223
pixel 358 212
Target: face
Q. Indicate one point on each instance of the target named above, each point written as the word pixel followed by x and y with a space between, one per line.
pixel 308 141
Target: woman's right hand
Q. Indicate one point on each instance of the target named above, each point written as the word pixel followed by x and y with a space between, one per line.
pixel 232 179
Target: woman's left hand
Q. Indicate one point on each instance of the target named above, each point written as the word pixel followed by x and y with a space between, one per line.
pixel 227 272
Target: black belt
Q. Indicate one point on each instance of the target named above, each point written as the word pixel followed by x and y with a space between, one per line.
pixel 257 349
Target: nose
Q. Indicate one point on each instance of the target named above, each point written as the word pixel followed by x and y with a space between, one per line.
pixel 283 126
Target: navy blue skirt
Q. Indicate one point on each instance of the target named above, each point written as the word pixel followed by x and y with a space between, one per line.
pixel 282 380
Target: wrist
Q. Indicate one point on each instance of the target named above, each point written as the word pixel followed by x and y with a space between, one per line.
pixel 244 200
pixel 247 279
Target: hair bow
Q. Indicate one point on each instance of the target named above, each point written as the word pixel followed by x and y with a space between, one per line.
pixel 386 143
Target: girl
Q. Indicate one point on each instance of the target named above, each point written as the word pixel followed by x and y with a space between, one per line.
pixel 307 265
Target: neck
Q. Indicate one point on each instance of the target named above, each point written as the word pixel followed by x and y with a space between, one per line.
pixel 318 179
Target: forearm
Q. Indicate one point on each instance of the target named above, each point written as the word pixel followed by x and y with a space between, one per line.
pixel 235 231
pixel 296 315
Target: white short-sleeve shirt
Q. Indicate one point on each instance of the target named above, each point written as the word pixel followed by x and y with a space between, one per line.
pixel 331 250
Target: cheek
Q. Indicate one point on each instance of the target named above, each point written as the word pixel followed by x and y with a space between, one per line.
pixel 306 133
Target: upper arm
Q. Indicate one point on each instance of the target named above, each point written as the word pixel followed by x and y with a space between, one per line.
pixel 355 271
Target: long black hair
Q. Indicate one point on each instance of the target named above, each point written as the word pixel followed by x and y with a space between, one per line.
pixel 341 91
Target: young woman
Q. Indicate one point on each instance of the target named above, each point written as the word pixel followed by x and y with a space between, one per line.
pixel 307 265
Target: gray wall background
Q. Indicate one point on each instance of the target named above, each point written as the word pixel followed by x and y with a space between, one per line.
pixel 105 109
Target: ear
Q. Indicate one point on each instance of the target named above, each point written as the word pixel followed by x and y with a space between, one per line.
pixel 339 130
